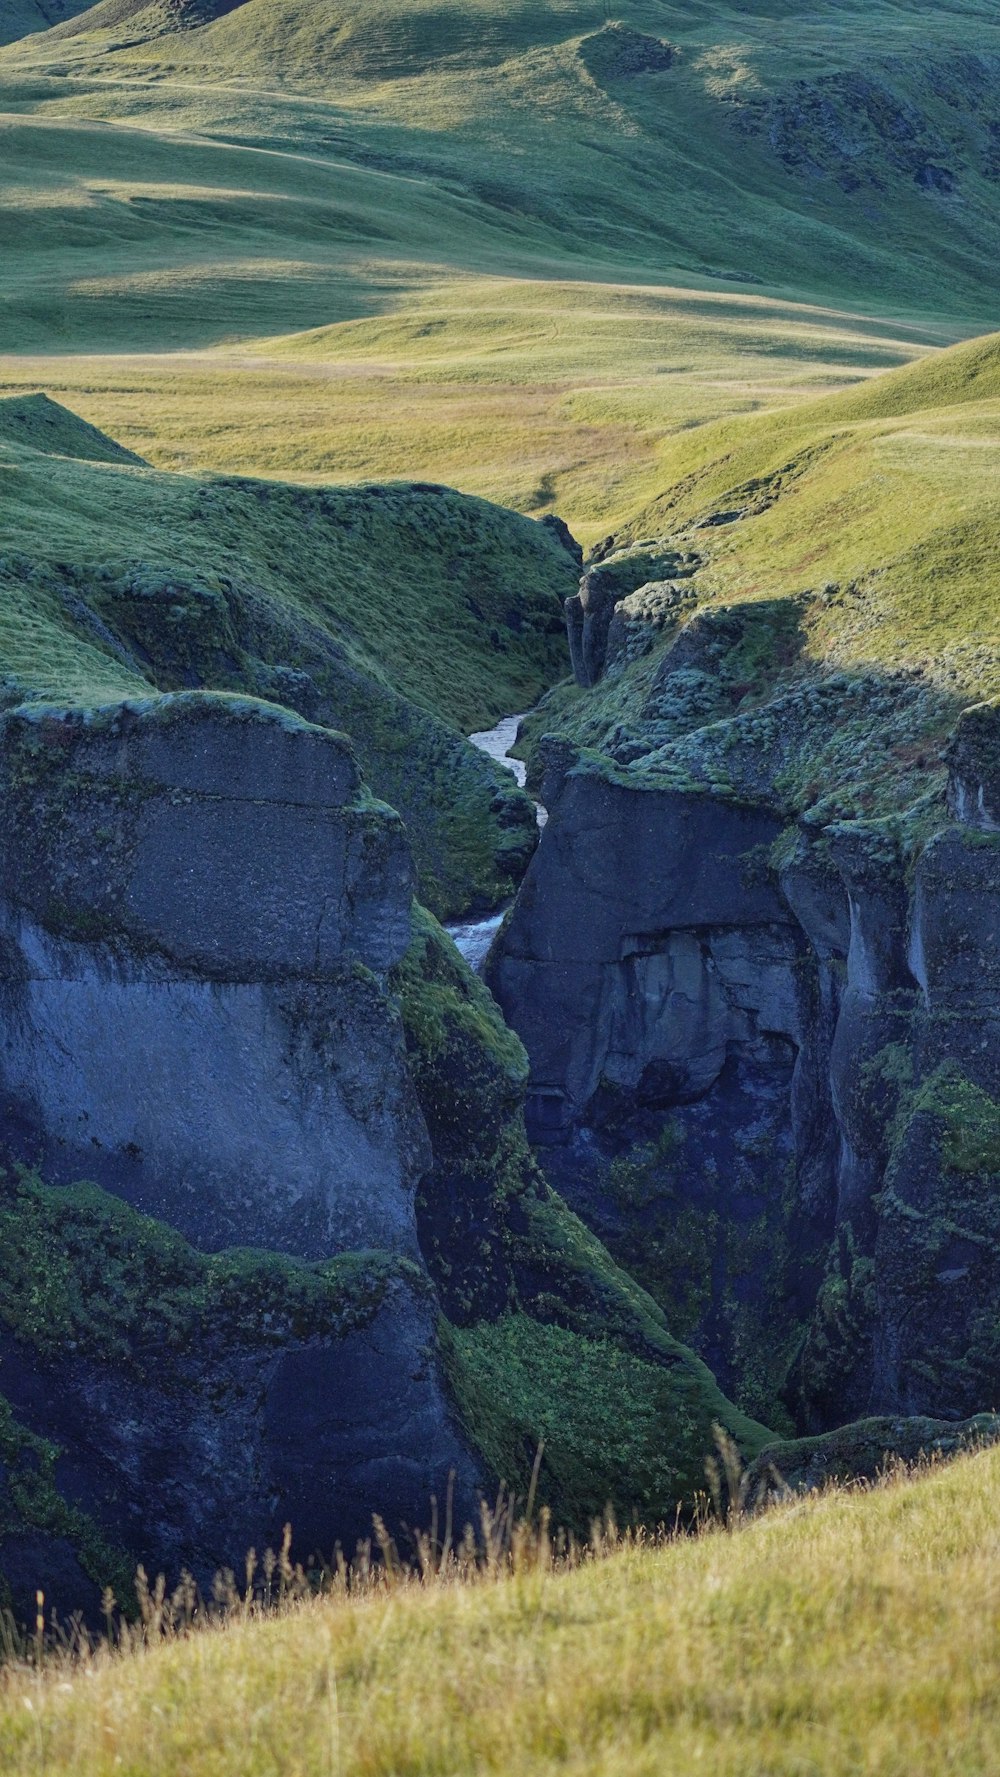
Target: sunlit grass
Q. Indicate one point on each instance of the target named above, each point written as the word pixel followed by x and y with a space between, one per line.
pixel 850 1633
pixel 887 493
pixel 539 394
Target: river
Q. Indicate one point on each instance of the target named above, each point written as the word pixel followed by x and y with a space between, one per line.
pixel 474 937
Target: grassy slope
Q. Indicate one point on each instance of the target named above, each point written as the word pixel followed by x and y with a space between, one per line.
pixel 867 540
pixel 892 486
pixel 390 569
pixel 349 193
pixel 853 1633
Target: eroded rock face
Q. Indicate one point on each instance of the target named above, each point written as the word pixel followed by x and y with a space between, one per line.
pixel 198 901
pixel 592 624
pixel 751 1066
pixel 974 781
pixel 193 1458
pixel 628 961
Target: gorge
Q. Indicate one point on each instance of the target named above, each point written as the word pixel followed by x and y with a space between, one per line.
pixel 300 1218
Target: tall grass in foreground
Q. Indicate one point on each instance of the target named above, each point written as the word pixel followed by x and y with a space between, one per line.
pixel 856 1631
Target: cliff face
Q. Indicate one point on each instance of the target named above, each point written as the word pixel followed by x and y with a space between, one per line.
pixel 300 1116
pixel 198 902
pixel 764 1057
pixel 200 907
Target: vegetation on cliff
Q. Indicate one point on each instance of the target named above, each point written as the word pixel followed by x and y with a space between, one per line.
pixel 839 616
pixel 545 1339
pixel 96 1298
pixel 82 1272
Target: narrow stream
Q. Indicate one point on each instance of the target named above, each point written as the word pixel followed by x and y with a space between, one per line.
pixel 474 937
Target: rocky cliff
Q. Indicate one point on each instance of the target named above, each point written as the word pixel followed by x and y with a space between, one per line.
pixel 200 906
pixel 314 1271
pixel 198 900
pixel 754 967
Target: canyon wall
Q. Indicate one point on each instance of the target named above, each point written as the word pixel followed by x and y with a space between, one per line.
pixel 765 1068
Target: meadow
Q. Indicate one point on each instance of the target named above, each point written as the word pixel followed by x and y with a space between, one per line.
pixel 496 245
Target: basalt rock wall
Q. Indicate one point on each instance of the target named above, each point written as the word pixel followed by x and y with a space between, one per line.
pixel 198 906
pixel 764 1067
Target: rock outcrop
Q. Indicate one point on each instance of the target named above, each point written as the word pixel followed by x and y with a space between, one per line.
pixel 199 903
pixel 201 907
pixel 161 1406
pixel 591 612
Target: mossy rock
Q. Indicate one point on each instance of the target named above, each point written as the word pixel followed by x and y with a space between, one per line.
pixel 864 1450
pixel 82 1272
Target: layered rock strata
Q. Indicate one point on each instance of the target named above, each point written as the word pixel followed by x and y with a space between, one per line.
pixel 198 906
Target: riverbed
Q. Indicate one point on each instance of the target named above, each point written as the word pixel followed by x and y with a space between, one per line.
pixel 473 937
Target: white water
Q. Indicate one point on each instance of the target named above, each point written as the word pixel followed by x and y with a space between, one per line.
pixel 474 937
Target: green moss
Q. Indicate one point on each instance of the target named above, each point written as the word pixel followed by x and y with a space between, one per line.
pixel 566 1273
pixel 30 1500
pixel 469 1071
pixel 667 1242
pixel 837 1342
pixel 587 1364
pixel 82 1271
pixel 866 1447
pixel 617 1429
pixel 442 999
pixel 970 1119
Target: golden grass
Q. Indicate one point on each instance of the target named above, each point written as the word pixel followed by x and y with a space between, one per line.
pixel 858 1632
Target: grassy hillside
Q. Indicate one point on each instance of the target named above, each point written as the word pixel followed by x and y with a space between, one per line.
pixel 501 245
pixel 405 615
pixel 541 394
pixel 851 1633
pixel 623 131
pixel 845 574
pixel 889 492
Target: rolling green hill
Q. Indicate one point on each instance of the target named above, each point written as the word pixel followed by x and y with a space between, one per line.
pixel 504 245
pixel 889 492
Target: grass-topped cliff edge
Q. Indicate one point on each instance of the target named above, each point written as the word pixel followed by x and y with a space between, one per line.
pixel 405 615
pixel 827 603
